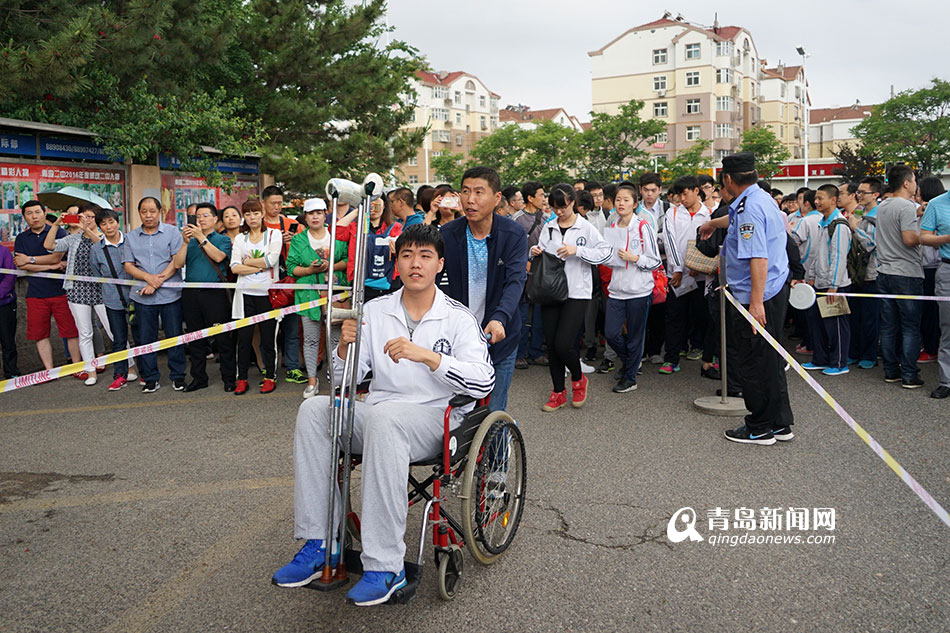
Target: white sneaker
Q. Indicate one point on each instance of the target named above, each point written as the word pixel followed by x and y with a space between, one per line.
pixel 132 376
pixel 310 391
pixel 92 379
pixel 656 359
pixel 586 369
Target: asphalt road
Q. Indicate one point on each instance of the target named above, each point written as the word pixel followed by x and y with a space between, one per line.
pixel 169 512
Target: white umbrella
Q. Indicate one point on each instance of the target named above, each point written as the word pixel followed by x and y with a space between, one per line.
pixel 64 198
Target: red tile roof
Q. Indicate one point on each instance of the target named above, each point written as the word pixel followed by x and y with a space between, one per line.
pixel 788 72
pixel 823 115
pixel 724 32
pixel 433 78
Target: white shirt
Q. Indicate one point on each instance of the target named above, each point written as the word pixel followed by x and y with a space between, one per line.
pixel 679 227
pixel 268 248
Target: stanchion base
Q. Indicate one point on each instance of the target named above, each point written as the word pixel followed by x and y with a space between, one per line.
pixel 713 405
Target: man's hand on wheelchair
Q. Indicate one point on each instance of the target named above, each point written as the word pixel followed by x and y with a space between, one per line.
pixel 495 332
pixel 402 348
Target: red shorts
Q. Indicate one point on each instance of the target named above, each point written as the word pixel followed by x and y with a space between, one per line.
pixel 38 313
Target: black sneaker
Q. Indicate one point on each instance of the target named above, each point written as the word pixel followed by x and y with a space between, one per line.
pixel 591 354
pixel 743 436
pixel 710 372
pixel 783 433
pixel 730 394
pixel 151 386
pixel 195 385
pixel 521 363
pixel 178 385
pixel 892 378
pixel 913 383
pixel 541 361
pixel 940 392
pixel 624 386
pixel 606 366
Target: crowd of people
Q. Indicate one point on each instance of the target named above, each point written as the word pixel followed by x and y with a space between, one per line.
pixel 635 293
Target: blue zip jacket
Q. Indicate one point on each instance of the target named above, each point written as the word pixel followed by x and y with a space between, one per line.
pixel 507 274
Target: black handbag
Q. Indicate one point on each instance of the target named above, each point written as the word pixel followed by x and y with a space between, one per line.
pixel 547 282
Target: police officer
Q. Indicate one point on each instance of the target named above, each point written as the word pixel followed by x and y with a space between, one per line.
pixel 757 275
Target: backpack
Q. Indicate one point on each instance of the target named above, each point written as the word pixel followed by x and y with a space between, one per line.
pixel 660 280
pixel 859 257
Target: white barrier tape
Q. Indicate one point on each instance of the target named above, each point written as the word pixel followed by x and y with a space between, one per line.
pixel 65 370
pixel 874 296
pixel 912 483
pixel 167 284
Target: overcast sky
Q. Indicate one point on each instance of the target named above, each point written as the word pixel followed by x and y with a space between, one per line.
pixel 535 51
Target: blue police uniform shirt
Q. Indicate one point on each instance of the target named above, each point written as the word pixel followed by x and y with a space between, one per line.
pixel 756 230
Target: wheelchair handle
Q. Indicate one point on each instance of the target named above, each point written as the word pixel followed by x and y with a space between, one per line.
pixel 460 400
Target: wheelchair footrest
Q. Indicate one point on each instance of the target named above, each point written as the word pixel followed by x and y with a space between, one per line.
pixel 355 566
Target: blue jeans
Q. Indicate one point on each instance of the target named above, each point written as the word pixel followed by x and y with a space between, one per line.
pixel 532 335
pixel 119 324
pixel 147 332
pixel 291 328
pixel 504 368
pixel 900 318
pixel 629 347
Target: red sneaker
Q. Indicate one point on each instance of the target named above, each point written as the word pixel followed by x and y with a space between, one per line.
pixel 100 370
pixel 801 349
pixel 579 392
pixel 80 375
pixel 557 400
pixel 118 383
pixel 240 388
pixel 926 358
pixel 268 386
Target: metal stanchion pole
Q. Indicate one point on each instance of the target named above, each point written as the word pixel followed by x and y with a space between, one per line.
pixel 723 405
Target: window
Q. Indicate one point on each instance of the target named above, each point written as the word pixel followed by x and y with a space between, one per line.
pixel 724 130
pixel 470 85
pixel 692 51
pixel 662 137
pixel 458 97
pixel 692 133
pixel 722 153
pixel 413 161
pixel 440 135
pixel 458 118
pixel 692 78
pixel 440 92
pixel 436 154
pixel 659 82
pixel 781 111
pixel 481 101
pixel 458 139
pixel 440 114
pixel 796 112
pixel 795 152
pixel 413 180
pixel 783 90
pixel 798 132
pixel 659 109
pixel 692 106
pixel 781 131
pixel 659 55
pixel 483 122
pixel 724 76
pixel 798 92
pixel 724 48
pixel 661 158
pixel 752 86
pixel 725 104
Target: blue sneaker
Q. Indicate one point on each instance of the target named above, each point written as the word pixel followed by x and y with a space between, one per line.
pixel 836 371
pixel 867 364
pixel 376 587
pixel 852 361
pixel 813 366
pixel 306 566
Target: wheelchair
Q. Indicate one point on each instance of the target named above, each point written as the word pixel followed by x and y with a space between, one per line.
pixel 483 464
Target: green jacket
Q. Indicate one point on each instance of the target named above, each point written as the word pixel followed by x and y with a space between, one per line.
pixel 300 253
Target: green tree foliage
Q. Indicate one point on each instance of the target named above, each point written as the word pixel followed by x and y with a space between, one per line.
pixel 770 153
pixel 616 141
pixel 856 162
pixel 548 153
pixel 913 126
pixel 307 84
pixel 449 168
pixel 689 162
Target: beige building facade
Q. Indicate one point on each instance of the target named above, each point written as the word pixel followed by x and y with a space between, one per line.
pixel 783 100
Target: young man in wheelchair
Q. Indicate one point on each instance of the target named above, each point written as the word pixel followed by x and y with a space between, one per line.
pixel 422 348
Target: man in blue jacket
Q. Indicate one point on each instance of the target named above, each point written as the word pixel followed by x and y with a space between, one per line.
pixel 486 260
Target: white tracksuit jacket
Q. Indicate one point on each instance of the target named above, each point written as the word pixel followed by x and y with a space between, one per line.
pixel 591 249
pixel 678 228
pixel 632 280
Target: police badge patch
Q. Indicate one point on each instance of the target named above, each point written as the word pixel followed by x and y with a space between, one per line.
pixel 442 346
pixel 746 231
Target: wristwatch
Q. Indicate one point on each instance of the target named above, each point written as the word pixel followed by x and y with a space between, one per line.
pixel 203 243
pixel 32 260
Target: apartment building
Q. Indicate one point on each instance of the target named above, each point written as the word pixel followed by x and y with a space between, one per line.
pixel 784 97
pixel 703 82
pixel 528 119
pixel 457 109
pixel 831 128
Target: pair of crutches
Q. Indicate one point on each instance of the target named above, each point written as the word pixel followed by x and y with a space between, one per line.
pixel 343 395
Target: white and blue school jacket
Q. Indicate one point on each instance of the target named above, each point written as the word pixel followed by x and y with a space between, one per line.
pixel 678 228
pixel 866 234
pixel 632 280
pixel 448 328
pixel 591 249
pixel 804 235
pixel 831 254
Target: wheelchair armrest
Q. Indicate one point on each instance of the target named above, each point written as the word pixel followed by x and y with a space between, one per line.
pixel 460 400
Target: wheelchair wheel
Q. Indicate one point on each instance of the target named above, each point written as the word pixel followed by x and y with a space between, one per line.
pixel 493 487
pixel 450 573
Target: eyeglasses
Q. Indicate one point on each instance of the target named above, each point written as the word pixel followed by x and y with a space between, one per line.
pixel 204 215
pixel 864 193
